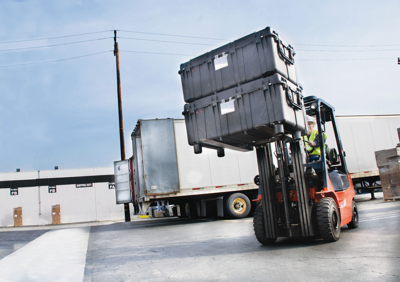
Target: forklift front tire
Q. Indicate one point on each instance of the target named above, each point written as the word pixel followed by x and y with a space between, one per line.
pixel 259 227
pixel 328 219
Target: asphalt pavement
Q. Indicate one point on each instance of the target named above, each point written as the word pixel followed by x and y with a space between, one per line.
pixel 173 249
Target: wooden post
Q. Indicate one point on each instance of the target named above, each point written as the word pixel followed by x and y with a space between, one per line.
pixel 121 123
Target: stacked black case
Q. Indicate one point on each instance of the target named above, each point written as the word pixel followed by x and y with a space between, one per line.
pixel 237 93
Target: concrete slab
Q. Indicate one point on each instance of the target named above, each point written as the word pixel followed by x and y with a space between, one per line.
pixel 57 255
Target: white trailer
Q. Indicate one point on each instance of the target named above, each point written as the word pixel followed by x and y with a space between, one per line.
pixel 166 176
pixel 361 137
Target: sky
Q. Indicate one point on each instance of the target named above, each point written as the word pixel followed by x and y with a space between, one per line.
pixel 57 112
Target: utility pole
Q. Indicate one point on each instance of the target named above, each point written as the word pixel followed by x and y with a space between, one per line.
pixel 121 123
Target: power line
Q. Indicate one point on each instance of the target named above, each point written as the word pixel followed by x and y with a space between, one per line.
pixel 358 46
pixel 45 38
pixel 173 35
pixel 176 35
pixel 387 58
pixel 46 46
pixel 166 41
pixel 142 52
pixel 371 59
pixel 157 53
pixel 348 50
pixel 42 62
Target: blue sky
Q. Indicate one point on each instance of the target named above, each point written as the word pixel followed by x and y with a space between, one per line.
pixel 65 113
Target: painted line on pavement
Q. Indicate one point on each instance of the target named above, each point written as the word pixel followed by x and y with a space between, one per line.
pixel 380 217
pixel 57 255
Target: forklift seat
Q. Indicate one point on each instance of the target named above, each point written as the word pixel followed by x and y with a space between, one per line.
pixel 333 156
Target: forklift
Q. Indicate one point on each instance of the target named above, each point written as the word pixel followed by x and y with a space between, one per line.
pixel 302 198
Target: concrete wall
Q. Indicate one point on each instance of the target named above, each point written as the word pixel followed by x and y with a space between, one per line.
pixel 95 203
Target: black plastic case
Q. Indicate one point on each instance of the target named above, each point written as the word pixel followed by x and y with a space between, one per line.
pixel 257 55
pixel 244 116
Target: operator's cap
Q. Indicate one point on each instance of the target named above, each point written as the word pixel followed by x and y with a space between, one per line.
pixel 310 119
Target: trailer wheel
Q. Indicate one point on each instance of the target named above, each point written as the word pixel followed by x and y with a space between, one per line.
pixel 258 225
pixel 237 205
pixel 328 219
pixel 354 220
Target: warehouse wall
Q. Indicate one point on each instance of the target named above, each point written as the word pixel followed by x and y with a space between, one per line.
pixel 96 203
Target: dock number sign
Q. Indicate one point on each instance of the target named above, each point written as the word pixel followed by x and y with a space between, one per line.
pixel 14 191
pixel 111 185
pixel 84 185
pixel 52 189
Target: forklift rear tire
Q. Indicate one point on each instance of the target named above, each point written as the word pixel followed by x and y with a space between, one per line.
pixel 237 205
pixel 354 220
pixel 259 228
pixel 328 219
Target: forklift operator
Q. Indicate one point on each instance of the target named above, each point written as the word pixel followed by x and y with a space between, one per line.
pixel 311 141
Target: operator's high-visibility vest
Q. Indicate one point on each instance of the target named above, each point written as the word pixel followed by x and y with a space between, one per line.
pixel 313 150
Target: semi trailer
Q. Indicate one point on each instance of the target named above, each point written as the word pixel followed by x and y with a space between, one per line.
pixel 165 178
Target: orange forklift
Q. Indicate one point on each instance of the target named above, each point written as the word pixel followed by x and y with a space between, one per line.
pixel 299 198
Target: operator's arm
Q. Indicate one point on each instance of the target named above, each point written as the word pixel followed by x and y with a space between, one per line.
pixel 317 141
pixel 312 143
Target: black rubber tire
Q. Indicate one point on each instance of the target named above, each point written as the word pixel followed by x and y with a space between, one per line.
pixel 328 218
pixel 237 205
pixel 258 225
pixel 354 220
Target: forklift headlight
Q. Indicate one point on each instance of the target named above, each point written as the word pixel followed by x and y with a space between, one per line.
pixel 313 106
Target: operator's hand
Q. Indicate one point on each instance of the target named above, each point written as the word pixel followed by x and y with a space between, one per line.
pixel 312 143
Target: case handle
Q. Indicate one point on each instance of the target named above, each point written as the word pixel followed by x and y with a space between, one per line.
pixel 291 99
pixel 281 51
